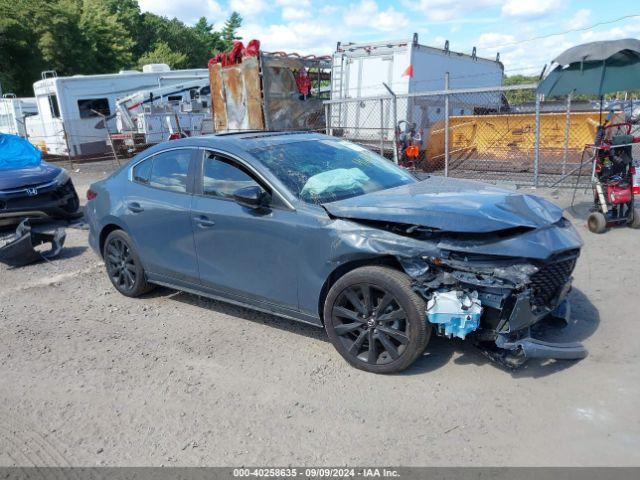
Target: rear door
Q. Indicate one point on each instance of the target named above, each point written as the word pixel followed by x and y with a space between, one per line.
pixel 157 213
pixel 247 253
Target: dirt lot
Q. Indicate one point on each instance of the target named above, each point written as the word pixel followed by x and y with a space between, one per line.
pixel 89 377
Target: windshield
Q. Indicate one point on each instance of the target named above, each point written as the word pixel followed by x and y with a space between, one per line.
pixel 322 171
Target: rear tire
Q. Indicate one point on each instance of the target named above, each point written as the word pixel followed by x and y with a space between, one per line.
pixel 597 222
pixel 635 220
pixel 375 320
pixel 123 265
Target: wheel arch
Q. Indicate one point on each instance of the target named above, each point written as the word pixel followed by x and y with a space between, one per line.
pixel 344 268
pixel 106 230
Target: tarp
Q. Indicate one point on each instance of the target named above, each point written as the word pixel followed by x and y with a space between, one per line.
pixel 16 152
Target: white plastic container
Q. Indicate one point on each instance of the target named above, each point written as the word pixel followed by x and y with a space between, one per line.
pixel 455 312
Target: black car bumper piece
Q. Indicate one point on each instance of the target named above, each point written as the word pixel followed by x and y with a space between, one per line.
pixel 48 200
pixel 20 248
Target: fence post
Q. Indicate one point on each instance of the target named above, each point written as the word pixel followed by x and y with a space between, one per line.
pixel 567 127
pixel 394 114
pixel 536 154
pixel 327 119
pixel 66 142
pixel 446 125
pixel 382 126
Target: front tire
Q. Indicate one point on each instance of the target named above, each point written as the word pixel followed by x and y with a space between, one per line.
pixel 375 320
pixel 123 265
pixel 597 222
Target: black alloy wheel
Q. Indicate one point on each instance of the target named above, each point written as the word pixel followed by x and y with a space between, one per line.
pixel 123 265
pixel 378 324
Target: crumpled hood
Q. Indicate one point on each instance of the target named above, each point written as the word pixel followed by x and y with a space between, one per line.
pixel 450 205
pixel 21 177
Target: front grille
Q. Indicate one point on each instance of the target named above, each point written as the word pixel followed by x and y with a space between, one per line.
pixel 547 282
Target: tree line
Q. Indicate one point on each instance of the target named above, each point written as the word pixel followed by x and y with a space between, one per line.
pixel 98 36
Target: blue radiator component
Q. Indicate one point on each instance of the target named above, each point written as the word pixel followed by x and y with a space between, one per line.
pixel 456 313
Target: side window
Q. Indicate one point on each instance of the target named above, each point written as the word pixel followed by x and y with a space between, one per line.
pixel 94 107
pixel 170 169
pixel 220 178
pixel 54 107
pixel 142 171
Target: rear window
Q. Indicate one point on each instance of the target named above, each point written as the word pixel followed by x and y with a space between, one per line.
pixel 170 170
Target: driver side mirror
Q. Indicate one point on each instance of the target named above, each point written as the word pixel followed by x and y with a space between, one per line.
pixel 252 197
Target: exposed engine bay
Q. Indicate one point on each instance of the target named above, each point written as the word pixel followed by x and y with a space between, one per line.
pixel 495 304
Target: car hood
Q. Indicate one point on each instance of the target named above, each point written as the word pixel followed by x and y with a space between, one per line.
pixel 450 205
pixel 21 177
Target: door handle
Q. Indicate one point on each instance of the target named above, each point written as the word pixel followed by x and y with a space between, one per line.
pixel 204 222
pixel 135 207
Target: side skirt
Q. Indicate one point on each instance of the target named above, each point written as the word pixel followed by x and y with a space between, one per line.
pixel 235 300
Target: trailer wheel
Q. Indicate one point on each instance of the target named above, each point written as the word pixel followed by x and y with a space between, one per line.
pixel 597 222
pixel 635 218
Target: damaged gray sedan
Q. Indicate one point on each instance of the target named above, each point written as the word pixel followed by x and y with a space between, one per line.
pixel 320 230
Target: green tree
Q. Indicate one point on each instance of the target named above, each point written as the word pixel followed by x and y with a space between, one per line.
pixel 229 31
pixel 127 13
pixel 109 43
pixel 98 36
pixel 162 53
pixel 19 56
pixel 515 97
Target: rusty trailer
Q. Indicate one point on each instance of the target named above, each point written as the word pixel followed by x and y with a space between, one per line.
pixel 267 92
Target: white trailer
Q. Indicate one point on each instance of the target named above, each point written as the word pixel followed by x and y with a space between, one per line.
pixel 150 116
pixel 73 111
pixel 13 114
pixel 361 71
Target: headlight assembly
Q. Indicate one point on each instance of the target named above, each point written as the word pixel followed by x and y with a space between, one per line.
pixel 62 177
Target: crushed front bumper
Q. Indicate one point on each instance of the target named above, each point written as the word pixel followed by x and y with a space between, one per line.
pixel 521 343
pixel 511 305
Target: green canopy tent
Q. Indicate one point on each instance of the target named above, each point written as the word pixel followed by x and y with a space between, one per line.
pixel 595 68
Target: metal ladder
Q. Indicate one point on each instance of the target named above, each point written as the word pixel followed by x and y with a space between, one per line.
pixel 337 75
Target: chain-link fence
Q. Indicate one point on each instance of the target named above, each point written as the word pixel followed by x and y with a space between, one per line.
pixel 97 139
pixel 506 134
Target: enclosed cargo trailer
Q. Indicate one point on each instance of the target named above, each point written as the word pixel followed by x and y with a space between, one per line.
pixel 368 71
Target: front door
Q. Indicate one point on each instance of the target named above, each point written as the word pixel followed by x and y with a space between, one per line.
pixel 248 253
pixel 158 214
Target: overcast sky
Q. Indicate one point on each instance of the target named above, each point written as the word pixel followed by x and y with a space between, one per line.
pixel 314 26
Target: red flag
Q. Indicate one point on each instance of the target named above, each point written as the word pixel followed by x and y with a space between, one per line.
pixel 408 72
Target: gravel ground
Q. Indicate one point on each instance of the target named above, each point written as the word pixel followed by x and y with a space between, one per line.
pixel 89 377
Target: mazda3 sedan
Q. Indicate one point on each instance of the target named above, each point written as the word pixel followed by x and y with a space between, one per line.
pixel 323 231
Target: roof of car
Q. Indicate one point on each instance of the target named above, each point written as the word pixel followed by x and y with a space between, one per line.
pixel 246 140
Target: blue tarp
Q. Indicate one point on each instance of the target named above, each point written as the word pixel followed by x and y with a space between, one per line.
pixel 16 152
